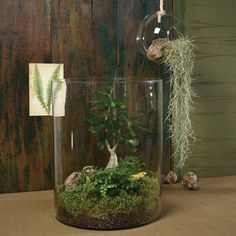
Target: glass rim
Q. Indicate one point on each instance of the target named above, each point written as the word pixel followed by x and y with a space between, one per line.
pixel 117 80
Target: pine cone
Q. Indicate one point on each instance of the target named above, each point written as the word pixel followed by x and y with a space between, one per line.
pixel 190 181
pixel 72 180
pixel 156 49
pixel 171 178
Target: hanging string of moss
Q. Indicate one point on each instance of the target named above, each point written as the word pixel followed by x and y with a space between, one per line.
pixel 179 58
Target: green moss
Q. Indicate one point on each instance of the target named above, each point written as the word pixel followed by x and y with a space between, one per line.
pixel 149 190
pixel 81 203
pixel 111 192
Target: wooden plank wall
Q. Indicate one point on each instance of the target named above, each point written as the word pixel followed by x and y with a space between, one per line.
pixel 92 38
pixel 213 24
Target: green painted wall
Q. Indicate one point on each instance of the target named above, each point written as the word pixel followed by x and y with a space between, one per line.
pixel 213 23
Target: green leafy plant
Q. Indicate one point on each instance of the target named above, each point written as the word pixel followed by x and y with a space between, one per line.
pixel 109 121
pixel 131 164
pixel 179 58
pixel 110 181
pixel 39 90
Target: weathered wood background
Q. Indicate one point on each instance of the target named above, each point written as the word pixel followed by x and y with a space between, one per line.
pixel 92 38
pixel 213 24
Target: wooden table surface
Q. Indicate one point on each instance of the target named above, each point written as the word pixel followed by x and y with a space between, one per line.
pixel 210 211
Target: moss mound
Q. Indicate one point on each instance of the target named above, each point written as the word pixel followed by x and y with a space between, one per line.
pixel 108 193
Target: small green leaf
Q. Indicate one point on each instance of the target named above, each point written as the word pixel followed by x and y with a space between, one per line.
pixel 111 126
pixel 122 106
pixel 101 145
pixel 110 102
pixel 94 119
pixel 130 123
pixel 133 142
pixel 132 132
pixel 95 129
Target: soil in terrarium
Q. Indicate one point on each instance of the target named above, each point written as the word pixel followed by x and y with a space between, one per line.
pixel 119 197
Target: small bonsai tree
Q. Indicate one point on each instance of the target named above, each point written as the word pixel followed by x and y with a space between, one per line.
pixel 109 121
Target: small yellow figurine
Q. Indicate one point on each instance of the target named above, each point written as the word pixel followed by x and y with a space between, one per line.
pixel 138 175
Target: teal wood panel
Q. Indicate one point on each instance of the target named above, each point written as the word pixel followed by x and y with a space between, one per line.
pixel 213 24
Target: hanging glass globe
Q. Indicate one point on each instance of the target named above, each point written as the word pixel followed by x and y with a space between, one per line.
pixel 152 33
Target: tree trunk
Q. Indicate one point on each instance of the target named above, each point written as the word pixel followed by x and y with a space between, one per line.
pixel 113 160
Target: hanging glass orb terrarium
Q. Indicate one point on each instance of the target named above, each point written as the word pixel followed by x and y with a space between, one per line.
pixel 160 39
pixel 108 151
pixel 154 31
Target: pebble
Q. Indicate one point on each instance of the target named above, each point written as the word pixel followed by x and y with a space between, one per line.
pixel 72 180
pixel 190 181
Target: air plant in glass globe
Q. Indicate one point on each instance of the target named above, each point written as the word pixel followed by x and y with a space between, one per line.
pixel 162 43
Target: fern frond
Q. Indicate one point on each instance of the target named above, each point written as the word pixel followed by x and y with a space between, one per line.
pixel 38 87
pixel 54 77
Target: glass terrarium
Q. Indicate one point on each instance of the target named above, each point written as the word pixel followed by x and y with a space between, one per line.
pixel 153 34
pixel 108 151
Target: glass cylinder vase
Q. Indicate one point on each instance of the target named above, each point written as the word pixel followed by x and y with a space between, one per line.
pixel 108 151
